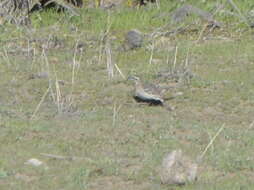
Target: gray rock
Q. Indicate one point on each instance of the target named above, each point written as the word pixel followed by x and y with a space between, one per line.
pixel 133 39
pixel 40 75
pixel 178 169
pixel 181 13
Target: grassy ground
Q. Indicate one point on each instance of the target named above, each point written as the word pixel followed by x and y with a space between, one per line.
pixel 120 143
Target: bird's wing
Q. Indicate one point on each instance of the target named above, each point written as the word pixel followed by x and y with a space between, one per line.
pixel 147 96
pixel 152 89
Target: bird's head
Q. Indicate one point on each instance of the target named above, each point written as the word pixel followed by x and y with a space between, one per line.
pixel 134 78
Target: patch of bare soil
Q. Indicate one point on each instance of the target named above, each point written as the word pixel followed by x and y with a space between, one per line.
pixel 114 182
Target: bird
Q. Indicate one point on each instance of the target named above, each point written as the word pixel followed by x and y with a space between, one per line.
pixel 144 2
pixel 148 94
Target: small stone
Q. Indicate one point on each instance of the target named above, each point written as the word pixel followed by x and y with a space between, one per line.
pixel 40 75
pixel 34 162
pixel 178 169
pixel 81 45
pixel 133 39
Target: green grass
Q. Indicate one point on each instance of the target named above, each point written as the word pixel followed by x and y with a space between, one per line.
pixel 120 143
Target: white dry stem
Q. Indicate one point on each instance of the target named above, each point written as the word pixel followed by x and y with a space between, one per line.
pixel 101 48
pixel 210 143
pixel 158 4
pixel 55 156
pixel 109 23
pixel 187 59
pixel 120 72
pixel 110 66
pixel 48 41
pixel 114 115
pixel 152 51
pixel 74 65
pixel 251 125
pixel 186 65
pixel 6 57
pixel 168 55
pixel 34 57
pixel 175 58
pixel 104 43
pixel 28 48
pixel 115 112
pixel 60 157
pixel 73 70
pixel 206 24
pixel 201 32
pixel 48 70
pixel 58 97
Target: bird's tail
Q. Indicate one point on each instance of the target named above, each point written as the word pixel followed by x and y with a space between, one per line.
pixel 173 96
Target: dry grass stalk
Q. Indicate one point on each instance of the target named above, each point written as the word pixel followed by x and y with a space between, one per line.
pixel 114 115
pixel 39 105
pixel 6 57
pixel 101 49
pixel 120 72
pixel 48 71
pixel 152 51
pixel 74 66
pixel 251 125
pixel 175 58
pixel 187 59
pixel 168 56
pixel 158 4
pixel 110 66
pixel 59 101
pixel 186 69
pixel 56 96
pixel 71 158
pixel 207 24
pixel 115 112
pixel 200 158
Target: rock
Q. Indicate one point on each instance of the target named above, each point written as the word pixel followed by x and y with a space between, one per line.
pixel 133 39
pixel 40 75
pixel 81 46
pixel 178 169
pixel 34 162
pixel 181 13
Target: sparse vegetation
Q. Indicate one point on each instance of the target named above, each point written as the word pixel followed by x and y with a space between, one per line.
pixel 57 97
